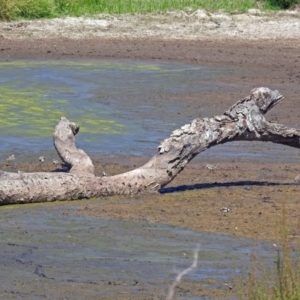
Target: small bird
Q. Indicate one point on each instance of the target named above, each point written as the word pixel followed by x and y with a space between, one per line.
pixel 41 158
pixel 11 158
pixel 211 167
pixel 55 162
pixel 225 209
pixel 104 174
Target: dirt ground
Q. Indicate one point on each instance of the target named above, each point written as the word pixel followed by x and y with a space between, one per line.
pixel 253 189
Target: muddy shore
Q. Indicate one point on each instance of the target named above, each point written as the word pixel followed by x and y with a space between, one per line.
pixel 253 188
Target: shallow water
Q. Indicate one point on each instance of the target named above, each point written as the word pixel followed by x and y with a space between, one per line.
pixel 99 95
pixel 47 253
pixel 123 107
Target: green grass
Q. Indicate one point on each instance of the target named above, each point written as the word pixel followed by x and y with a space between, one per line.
pixel 278 282
pixel 27 9
pixel 79 7
pixel 33 9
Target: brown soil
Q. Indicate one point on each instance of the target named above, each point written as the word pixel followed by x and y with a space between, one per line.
pixel 254 189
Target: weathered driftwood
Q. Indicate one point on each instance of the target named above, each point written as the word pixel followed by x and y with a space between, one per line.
pixel 243 121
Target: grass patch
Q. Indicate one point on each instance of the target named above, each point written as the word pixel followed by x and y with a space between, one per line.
pixel 280 281
pixel 281 4
pixel 33 9
pixel 80 7
pixel 27 9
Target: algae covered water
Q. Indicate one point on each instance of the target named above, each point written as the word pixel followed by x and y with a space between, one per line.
pixel 121 106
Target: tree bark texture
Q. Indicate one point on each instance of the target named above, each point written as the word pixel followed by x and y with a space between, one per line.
pixel 244 121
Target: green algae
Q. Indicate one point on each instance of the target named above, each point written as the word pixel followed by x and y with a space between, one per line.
pixel 34 110
pixel 85 65
pixel 32 107
pixel 112 101
pixel 32 113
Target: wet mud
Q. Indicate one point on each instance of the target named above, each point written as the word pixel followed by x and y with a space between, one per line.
pixel 46 253
pixel 253 183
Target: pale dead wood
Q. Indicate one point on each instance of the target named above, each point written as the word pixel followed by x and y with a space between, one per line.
pixel 183 273
pixel 243 121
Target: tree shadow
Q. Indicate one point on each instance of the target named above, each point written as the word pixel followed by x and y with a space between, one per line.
pixel 198 186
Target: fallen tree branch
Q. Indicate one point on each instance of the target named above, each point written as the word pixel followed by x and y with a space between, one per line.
pixel 183 273
pixel 243 121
